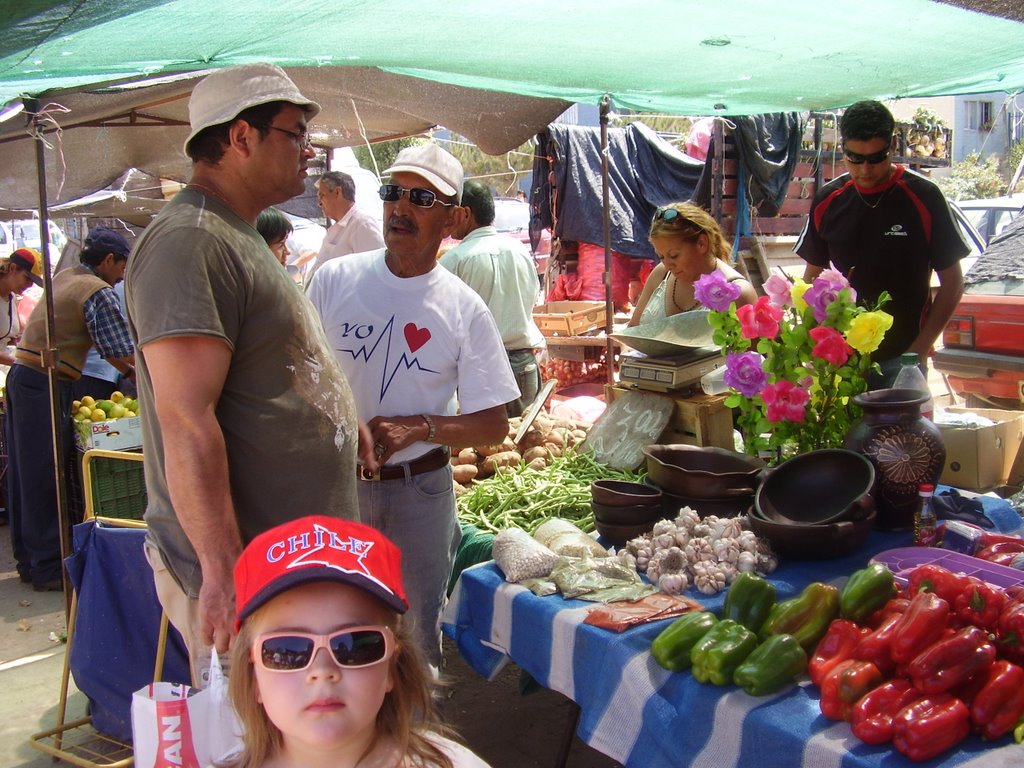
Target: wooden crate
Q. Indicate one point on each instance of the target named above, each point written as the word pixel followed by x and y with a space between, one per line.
pixel 697 420
pixel 569 318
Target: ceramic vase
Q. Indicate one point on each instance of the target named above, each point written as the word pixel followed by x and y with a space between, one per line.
pixel 905 448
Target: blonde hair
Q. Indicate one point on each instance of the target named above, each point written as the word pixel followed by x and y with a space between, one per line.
pixel 692 222
pixel 405 718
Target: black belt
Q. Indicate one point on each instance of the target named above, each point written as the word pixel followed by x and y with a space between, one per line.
pixel 428 462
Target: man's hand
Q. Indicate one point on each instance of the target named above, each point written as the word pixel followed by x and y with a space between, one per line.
pixel 390 434
pixel 217 611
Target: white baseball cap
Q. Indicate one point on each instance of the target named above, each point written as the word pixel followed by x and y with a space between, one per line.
pixel 221 95
pixel 435 165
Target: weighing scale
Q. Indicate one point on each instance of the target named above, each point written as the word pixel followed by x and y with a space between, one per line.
pixel 670 372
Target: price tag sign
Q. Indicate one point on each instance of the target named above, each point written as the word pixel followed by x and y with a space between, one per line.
pixel 631 422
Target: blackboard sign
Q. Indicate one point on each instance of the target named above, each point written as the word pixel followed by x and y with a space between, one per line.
pixel 632 421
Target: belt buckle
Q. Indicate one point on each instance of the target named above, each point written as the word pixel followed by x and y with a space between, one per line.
pixel 366 474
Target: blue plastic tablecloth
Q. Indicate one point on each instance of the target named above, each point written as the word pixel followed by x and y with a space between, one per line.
pixel 646 717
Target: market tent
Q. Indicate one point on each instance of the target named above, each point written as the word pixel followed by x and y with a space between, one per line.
pixel 493 71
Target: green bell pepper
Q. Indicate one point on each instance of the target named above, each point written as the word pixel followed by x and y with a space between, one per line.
pixel 671 648
pixel 805 616
pixel 717 654
pixel 866 591
pixel 749 600
pixel 773 664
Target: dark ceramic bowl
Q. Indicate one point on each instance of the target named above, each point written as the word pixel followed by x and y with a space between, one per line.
pixel 631 515
pixel 728 506
pixel 621 493
pixel 702 473
pixel 816 487
pixel 618 535
pixel 814 542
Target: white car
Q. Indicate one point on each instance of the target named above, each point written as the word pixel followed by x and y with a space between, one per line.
pixel 990 216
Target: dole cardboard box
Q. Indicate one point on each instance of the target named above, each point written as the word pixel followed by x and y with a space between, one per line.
pixel 981 458
pixel 111 435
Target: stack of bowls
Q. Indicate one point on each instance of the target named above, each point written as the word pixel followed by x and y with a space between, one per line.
pixel 711 481
pixel 624 510
pixel 817 505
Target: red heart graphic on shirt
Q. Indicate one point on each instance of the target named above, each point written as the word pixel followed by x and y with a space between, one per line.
pixel 416 337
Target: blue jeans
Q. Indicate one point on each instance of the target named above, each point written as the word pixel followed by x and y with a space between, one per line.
pixel 527 373
pixel 417 513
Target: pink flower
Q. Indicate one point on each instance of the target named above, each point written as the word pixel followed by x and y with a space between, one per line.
pixel 824 290
pixel 715 292
pixel 760 319
pixel 744 372
pixel 786 401
pixel 777 288
pixel 830 346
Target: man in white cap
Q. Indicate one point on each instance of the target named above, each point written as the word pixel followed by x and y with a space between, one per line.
pixel 247 420
pixel 427 368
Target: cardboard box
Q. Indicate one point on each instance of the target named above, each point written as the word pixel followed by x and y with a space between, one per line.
pixel 569 318
pixel 696 420
pixel 122 434
pixel 982 458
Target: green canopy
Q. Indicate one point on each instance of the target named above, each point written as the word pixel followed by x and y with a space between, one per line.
pixel 679 56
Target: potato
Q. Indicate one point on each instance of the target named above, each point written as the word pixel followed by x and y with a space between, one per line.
pixel 502 459
pixel 468 456
pixel 465 473
pixel 554 437
pixel 486 450
pixel 532 438
pixel 537 452
pixel 539 463
pixel 579 435
pixel 553 450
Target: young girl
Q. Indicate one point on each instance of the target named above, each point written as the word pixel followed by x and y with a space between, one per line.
pixel 323 672
pixel 689 244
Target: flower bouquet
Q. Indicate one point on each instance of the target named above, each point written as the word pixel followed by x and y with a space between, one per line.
pixel 794 359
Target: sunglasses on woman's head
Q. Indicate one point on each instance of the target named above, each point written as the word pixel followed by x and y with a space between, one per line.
pixel 667 214
pixel 424 198
pixel 350 648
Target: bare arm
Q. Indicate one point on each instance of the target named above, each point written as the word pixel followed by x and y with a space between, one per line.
pixel 188 375
pixel 653 281
pixel 811 271
pixel 951 288
pixel 486 427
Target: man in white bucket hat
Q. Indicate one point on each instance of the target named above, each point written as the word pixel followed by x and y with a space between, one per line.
pixel 247 419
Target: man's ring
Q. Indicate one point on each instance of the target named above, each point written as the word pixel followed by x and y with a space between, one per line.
pixel 379 449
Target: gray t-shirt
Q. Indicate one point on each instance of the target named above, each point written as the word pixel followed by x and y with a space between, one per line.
pixel 287 412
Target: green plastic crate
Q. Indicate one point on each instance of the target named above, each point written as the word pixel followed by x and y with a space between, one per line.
pixel 118 487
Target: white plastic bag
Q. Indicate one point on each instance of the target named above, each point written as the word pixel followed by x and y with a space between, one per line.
pixel 176 725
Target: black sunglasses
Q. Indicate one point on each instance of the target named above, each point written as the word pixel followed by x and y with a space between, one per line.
pixel 350 648
pixel 424 198
pixel 873 159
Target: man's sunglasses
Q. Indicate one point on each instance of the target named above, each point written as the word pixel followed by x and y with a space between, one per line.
pixel 873 159
pixel 424 198
pixel 350 648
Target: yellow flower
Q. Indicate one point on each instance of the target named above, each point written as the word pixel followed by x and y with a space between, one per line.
pixel 867 329
pixel 796 293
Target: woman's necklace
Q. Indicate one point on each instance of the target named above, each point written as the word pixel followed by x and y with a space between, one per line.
pixel 675 301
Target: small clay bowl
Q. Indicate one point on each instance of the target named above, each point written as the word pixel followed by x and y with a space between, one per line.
pixel 631 515
pixel 621 493
pixel 618 535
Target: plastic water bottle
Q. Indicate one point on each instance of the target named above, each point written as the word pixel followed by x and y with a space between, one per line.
pixel 910 377
pixel 925 524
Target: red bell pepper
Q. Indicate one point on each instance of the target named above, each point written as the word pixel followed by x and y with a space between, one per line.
pixel 988 538
pixel 837 645
pixel 919 627
pixel 896 605
pixel 929 726
pixel 999 705
pixel 1003 558
pixel 876 647
pixel 1000 547
pixel 980 604
pixel 952 661
pixel 845 684
pixel 935 579
pixel 1010 632
pixel 872 715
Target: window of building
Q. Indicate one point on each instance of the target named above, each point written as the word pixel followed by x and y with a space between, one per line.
pixel 978 115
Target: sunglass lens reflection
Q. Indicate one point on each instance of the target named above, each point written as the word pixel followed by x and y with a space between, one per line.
pixel 357 649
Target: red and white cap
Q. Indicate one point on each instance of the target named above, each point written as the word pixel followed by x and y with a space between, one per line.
pixel 318 548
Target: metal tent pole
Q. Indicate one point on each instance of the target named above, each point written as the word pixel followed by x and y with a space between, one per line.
pixel 50 353
pixel 609 306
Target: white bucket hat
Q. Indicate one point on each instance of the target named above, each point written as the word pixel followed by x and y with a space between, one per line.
pixel 434 164
pixel 221 95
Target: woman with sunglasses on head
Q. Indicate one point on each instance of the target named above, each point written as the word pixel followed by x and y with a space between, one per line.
pixel 689 244
pixel 323 671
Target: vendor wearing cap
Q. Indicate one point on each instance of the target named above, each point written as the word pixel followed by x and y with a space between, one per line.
pixel 17 272
pixel 86 312
pixel 247 420
pixel 427 367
